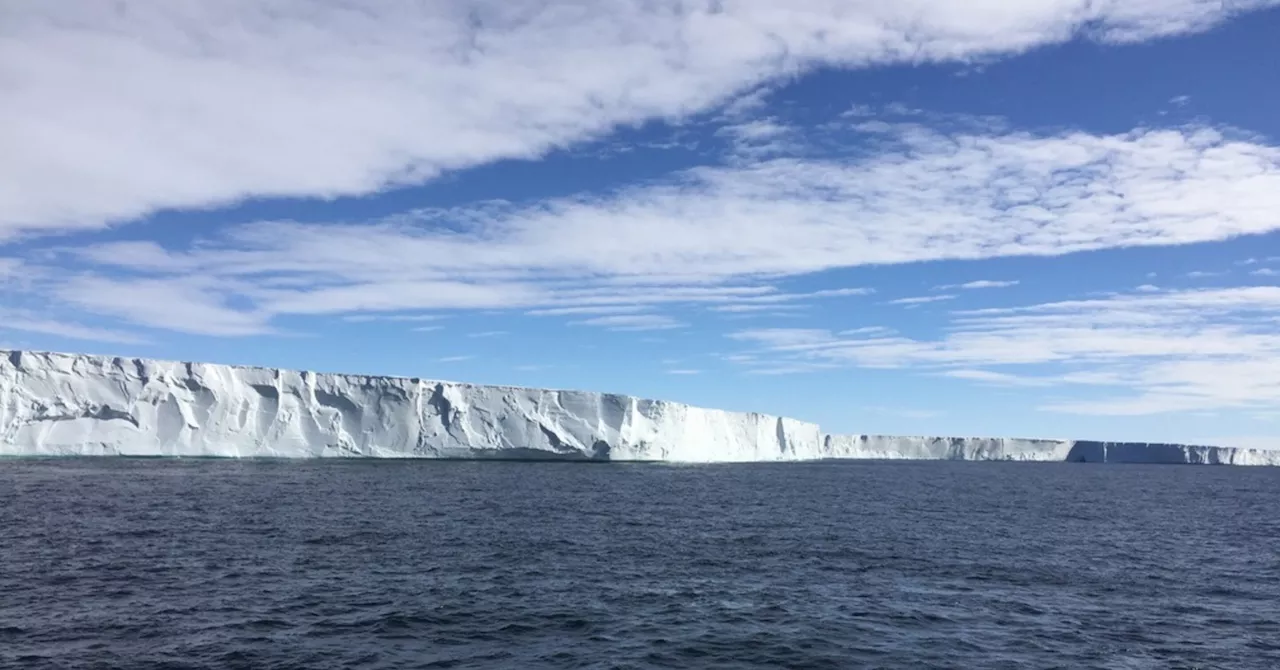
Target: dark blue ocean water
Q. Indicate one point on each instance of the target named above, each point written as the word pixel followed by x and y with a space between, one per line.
pixel 269 564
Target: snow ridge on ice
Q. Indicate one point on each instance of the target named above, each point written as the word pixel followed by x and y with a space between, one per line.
pixel 72 404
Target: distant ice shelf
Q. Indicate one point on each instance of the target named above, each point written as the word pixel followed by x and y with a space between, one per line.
pixel 80 405
pixel 854 447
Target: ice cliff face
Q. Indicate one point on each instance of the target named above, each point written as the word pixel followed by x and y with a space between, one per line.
pixel 946 448
pixel 73 404
pixel 66 404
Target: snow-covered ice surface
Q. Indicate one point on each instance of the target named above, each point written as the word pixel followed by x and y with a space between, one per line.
pixel 70 404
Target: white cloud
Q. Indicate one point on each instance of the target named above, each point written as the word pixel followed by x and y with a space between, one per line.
pixel 837 293
pixel 29 323
pixel 114 111
pixel 759 137
pixel 942 197
pixel 711 234
pixel 427 329
pixel 756 130
pixel 454 359
pixel 981 283
pixel 748 104
pixel 921 300
pixel 1265 272
pixel 1180 100
pixel 684 372
pixel 633 322
pixel 867 330
pixel 778 302
pixel 365 318
pixel 189 305
pixel 488 333
pixel 996 378
pixel 746 308
pixel 1200 274
pixel 1168 351
pixel 786 338
pixel 589 309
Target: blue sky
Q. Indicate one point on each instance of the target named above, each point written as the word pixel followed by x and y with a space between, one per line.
pixel 1051 218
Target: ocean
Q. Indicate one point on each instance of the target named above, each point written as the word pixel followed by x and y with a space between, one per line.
pixel 159 563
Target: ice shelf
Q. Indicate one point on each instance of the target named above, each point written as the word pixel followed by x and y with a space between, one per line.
pixel 72 404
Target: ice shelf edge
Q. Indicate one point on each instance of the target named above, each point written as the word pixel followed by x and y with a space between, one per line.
pixel 80 405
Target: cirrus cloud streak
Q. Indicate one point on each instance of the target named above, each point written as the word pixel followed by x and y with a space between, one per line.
pixel 1144 353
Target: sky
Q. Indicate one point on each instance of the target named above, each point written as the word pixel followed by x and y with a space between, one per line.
pixel 1049 218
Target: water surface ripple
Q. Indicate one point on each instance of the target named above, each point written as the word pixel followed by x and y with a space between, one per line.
pixel 121 563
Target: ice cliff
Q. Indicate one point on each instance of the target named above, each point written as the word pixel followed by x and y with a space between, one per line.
pixel 68 404
pixel 75 404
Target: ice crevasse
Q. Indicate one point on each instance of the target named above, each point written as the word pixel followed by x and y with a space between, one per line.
pixel 72 404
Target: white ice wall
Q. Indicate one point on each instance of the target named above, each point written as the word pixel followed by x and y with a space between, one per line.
pixel 1010 449
pixel 1144 452
pixel 947 448
pixel 68 404
pixel 75 404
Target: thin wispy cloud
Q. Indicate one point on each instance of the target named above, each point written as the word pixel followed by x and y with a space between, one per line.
pixel 921 300
pixel 633 322
pixel 739 308
pixel 867 330
pixel 27 323
pixel 368 318
pixel 190 304
pixel 1155 352
pixel 761 137
pixel 996 378
pixel 589 309
pixel 782 301
pixel 9 267
pixel 1256 261
pixel 979 284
